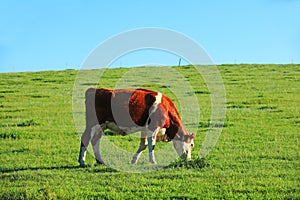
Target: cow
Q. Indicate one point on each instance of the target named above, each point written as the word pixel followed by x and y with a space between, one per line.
pixel 126 111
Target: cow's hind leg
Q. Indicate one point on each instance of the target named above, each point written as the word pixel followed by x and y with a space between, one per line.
pixel 96 136
pixel 85 140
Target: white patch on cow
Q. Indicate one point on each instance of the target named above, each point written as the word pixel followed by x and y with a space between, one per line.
pixel 153 135
pixel 157 101
pixel 187 148
pixel 161 135
pixel 158 98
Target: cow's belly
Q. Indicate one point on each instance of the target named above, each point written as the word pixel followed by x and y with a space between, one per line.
pixel 160 136
pixel 120 129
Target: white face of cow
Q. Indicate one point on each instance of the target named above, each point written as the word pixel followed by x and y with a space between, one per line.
pixel 184 149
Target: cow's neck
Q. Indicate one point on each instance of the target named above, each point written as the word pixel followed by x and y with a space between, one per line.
pixel 177 132
pixel 182 133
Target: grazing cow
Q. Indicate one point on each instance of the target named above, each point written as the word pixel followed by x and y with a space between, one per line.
pixel 127 111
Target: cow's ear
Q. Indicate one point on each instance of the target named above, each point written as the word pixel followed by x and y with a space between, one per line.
pixel 188 138
pixel 193 135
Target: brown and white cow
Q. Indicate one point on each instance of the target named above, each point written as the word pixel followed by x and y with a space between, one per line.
pixel 127 111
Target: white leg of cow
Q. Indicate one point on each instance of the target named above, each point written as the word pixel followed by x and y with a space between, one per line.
pixel 151 144
pixel 142 147
pixel 96 136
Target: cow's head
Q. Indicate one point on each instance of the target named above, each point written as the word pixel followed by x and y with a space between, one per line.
pixel 184 147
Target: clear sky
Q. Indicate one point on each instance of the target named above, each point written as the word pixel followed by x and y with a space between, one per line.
pixel 60 34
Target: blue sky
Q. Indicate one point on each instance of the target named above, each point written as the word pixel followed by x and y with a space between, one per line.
pixel 60 34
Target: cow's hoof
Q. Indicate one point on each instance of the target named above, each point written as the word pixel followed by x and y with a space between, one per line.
pixel 82 165
pixel 99 162
pixel 134 160
pixel 153 162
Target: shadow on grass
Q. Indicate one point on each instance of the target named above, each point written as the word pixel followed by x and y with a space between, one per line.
pixel 38 168
pixel 102 169
pixel 197 163
pixel 193 164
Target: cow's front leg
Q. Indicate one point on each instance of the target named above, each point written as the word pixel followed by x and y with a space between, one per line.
pixel 96 136
pixel 142 147
pixel 151 144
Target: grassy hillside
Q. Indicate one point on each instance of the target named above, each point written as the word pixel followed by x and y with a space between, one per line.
pixel 256 157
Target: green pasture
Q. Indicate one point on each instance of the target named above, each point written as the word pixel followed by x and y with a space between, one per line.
pixel 256 157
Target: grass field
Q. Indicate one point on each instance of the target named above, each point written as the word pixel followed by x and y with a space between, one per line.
pixel 256 157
